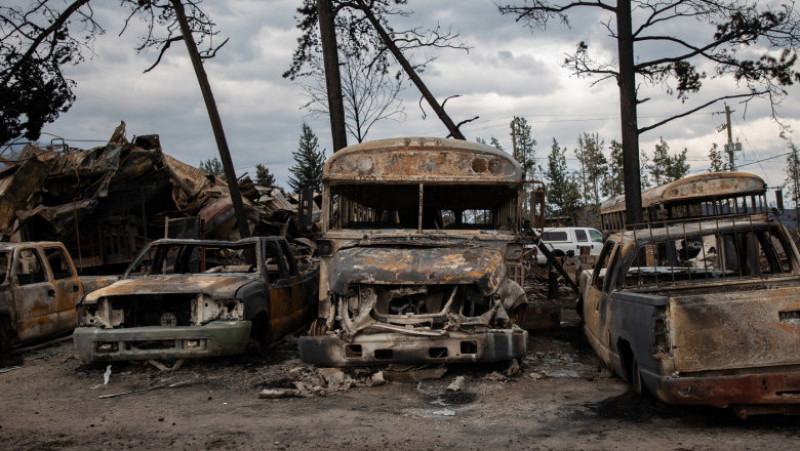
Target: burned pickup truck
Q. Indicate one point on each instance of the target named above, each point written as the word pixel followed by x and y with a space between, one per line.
pixel 703 311
pixel 421 256
pixel 198 298
pixel 39 288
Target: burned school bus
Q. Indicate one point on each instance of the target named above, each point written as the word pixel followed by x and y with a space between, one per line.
pixel 421 257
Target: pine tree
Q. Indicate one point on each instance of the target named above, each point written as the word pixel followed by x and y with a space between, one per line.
pixel 666 168
pixel 309 160
pixel 213 166
pixel 594 167
pixel 677 168
pixel 524 150
pixel 718 164
pixel 563 192
pixel 658 165
pixel 263 176
pixel 615 182
pixel 793 180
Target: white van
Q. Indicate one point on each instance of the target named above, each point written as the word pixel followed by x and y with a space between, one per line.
pixel 562 239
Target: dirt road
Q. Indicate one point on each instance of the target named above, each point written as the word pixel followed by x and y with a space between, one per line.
pixel 561 400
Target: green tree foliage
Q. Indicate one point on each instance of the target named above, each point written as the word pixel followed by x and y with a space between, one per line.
pixel 309 160
pixel 615 183
pixel 665 168
pixel 594 168
pixel 678 167
pixel 644 161
pixel 677 45
pixel 524 150
pixel 563 190
pixel 793 177
pixel 658 165
pixel 494 142
pixel 718 163
pixel 263 176
pixel 213 166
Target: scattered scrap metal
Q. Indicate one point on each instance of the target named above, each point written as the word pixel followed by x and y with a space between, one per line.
pixel 107 202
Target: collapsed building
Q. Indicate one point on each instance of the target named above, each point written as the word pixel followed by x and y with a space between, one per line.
pixel 107 202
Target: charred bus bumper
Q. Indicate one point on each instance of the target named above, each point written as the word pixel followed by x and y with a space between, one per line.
pixel 214 339
pixel 395 347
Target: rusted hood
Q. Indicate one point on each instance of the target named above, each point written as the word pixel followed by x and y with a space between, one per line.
pixel 418 266
pixel 219 287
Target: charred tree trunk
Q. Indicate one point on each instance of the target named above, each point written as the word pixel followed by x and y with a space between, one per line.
pixel 213 115
pixel 412 74
pixel 333 80
pixel 630 127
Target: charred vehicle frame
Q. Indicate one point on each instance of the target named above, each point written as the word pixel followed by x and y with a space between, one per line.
pixel 198 298
pixel 421 255
pixel 703 310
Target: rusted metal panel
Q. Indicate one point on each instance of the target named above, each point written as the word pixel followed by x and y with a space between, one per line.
pixel 37 298
pixel 776 386
pixel 418 265
pixel 421 159
pixel 17 184
pixel 382 348
pixel 742 328
pixel 695 188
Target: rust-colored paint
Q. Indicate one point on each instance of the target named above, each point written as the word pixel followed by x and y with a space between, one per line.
pixel 730 339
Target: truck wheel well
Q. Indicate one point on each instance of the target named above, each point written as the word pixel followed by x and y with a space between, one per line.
pixel 6 333
pixel 626 357
pixel 630 364
pixel 261 332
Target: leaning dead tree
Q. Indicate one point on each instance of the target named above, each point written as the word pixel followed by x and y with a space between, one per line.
pixel 363 25
pixel 46 35
pixel 753 44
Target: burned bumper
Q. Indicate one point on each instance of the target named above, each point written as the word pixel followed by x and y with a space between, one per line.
pixel 385 348
pixel 752 389
pixel 157 342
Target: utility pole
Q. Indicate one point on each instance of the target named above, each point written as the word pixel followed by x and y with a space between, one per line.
pixel 514 138
pixel 731 146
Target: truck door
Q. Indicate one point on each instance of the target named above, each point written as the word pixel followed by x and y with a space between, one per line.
pixel 596 301
pixel 280 291
pixel 300 302
pixel 34 296
pixel 67 287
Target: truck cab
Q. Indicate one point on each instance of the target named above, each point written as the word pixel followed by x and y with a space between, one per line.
pixel 39 289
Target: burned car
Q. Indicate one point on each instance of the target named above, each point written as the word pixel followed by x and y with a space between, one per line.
pixel 421 256
pixel 39 288
pixel 702 310
pixel 198 298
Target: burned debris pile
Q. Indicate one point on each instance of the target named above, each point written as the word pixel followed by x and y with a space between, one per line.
pixel 107 202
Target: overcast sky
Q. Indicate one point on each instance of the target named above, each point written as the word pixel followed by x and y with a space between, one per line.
pixel 510 70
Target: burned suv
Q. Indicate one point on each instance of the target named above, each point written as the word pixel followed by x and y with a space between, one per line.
pixel 198 298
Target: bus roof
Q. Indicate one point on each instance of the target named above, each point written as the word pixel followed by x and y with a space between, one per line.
pixel 418 159
pixel 695 188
